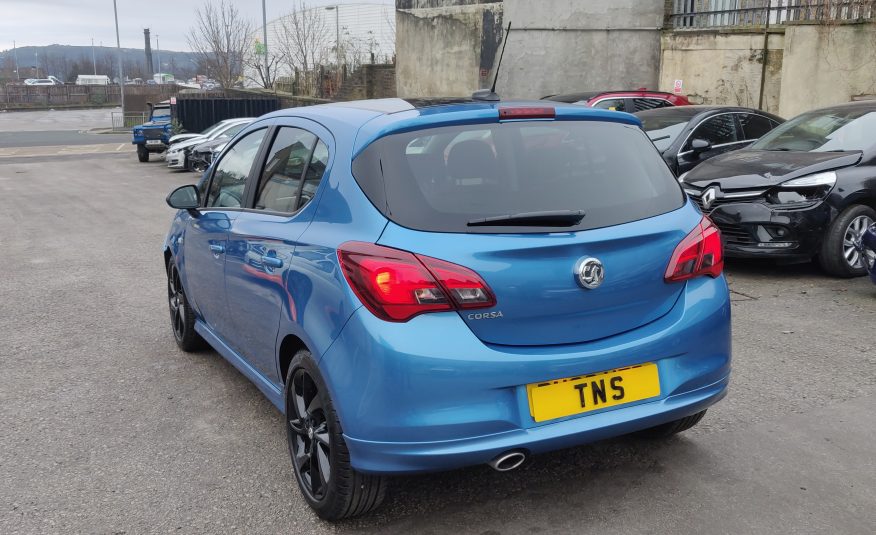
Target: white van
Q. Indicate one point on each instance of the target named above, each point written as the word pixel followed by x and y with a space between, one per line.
pixel 92 79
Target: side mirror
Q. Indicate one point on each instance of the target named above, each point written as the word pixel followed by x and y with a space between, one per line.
pixel 700 145
pixel 184 198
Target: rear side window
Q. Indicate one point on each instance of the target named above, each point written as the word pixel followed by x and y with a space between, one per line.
pixel 643 104
pixel 281 179
pixel 614 104
pixel 441 179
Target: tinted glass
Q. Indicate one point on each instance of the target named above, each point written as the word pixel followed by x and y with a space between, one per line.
pixel 754 126
pixel 717 130
pixel 643 104
pixel 281 179
pixel 822 131
pixel 315 170
pixel 229 178
pixel 616 104
pixel 664 129
pixel 440 179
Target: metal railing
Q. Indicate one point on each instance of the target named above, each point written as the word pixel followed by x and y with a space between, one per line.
pixel 123 122
pixel 699 14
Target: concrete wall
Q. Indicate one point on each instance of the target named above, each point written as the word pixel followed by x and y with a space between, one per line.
pixel 564 46
pixel 445 47
pixel 723 67
pixel 827 64
pixel 448 47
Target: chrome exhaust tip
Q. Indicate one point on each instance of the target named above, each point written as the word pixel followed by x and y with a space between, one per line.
pixel 507 461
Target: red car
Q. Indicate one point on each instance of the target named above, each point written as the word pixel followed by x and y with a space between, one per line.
pixel 628 101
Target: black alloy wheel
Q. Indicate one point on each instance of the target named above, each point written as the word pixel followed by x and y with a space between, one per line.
pixel 182 317
pixel 320 459
pixel 309 442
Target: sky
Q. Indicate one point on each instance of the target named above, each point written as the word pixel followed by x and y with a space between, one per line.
pixel 76 22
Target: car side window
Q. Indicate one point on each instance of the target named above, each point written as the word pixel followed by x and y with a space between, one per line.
pixel 315 171
pixel 642 104
pixel 615 104
pixel 280 183
pixel 754 126
pixel 716 130
pixel 229 177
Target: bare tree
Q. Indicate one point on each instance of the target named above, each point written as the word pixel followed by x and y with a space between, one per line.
pixel 254 63
pixel 304 39
pixel 221 38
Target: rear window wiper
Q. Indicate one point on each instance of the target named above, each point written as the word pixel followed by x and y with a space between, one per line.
pixel 547 218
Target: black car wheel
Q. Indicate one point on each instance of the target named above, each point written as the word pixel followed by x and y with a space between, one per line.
pixel 839 254
pixel 182 317
pixel 142 153
pixel 320 459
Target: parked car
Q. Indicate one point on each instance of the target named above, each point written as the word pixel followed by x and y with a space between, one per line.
pixel 805 190
pixel 51 80
pixel 531 277
pixel 153 136
pixel 688 135
pixel 628 101
pixel 867 250
pixel 202 155
pixel 177 156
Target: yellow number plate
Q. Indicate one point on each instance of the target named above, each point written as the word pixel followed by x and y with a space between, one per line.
pixel 574 395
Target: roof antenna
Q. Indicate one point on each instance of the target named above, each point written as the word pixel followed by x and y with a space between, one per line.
pixel 490 94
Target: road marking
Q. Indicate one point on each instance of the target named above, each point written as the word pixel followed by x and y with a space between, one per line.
pixel 59 150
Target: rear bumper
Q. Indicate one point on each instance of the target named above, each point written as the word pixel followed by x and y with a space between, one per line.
pixel 746 230
pixel 428 395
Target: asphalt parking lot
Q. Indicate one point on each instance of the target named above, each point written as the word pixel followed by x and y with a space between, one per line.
pixel 108 428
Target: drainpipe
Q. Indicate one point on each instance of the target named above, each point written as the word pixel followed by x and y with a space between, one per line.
pixel 766 39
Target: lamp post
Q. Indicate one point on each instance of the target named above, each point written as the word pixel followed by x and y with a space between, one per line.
pixel 15 53
pixel 158 50
pixel 93 60
pixel 265 38
pixel 119 46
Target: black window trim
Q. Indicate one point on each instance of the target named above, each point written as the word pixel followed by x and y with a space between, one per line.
pixel 259 156
pixel 773 124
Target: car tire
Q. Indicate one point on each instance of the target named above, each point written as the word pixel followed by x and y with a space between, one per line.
pixel 838 242
pixel 671 428
pixel 317 447
pixel 182 317
pixel 142 153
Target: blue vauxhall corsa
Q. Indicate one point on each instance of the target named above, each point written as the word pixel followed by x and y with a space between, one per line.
pixel 425 285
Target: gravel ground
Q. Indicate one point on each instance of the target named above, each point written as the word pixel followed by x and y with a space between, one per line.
pixel 108 428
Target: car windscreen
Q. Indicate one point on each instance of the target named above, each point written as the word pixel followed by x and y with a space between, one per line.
pixel 823 131
pixel 447 178
pixel 663 128
pixel 160 113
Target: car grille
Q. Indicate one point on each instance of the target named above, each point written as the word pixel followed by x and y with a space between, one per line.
pixel 735 234
pixel 153 133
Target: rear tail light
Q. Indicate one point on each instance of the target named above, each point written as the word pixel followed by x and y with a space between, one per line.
pixel 396 285
pixel 699 253
pixel 507 114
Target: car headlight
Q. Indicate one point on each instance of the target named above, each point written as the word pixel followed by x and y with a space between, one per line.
pixel 803 190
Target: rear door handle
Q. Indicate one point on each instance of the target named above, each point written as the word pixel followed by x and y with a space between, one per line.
pixel 217 249
pixel 272 261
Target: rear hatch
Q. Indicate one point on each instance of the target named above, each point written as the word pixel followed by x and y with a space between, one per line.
pixel 457 193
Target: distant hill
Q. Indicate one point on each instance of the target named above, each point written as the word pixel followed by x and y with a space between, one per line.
pixel 66 62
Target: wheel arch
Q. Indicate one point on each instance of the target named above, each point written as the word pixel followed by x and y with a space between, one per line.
pixel 289 346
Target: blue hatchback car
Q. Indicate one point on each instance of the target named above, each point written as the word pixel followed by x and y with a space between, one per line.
pixel 425 285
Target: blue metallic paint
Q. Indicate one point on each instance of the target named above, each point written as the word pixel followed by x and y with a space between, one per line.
pixel 429 394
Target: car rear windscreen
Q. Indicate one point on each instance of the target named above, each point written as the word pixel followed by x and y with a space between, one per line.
pixel 444 178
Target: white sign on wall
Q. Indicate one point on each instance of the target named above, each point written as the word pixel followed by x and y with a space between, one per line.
pixel 677 87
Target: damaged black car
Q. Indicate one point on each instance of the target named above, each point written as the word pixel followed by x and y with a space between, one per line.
pixel 804 191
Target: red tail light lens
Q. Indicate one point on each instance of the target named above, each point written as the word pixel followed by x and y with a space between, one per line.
pixel 396 285
pixel 699 253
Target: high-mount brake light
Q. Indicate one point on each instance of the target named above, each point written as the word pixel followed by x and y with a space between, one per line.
pixel 527 113
pixel 699 253
pixel 397 285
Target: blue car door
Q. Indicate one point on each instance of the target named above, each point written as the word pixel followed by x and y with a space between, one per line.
pixel 206 239
pixel 260 281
